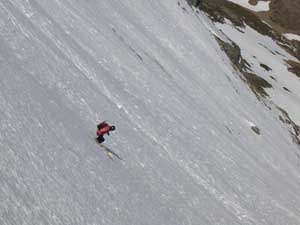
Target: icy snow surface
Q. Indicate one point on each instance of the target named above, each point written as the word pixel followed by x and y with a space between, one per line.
pixel 261 6
pixel 183 119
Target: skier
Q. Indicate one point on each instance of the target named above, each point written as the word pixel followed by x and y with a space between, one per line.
pixel 103 128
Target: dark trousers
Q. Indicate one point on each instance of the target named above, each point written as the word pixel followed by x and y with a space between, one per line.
pixel 100 139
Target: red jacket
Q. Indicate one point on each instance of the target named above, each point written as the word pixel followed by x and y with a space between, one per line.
pixel 103 130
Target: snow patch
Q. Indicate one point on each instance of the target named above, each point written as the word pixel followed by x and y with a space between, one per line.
pixel 292 36
pixel 261 6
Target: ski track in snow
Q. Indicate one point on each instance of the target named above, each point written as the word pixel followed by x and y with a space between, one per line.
pixel 183 119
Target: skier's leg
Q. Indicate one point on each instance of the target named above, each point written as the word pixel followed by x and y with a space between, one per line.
pixel 100 139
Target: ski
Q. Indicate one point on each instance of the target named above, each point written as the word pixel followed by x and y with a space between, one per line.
pixel 109 152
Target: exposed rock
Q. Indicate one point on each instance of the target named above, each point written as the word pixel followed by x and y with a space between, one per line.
pixel 265 67
pixel 286 13
pixel 233 52
pixel 253 2
pixel 294 128
pixel 286 89
pixel 294 67
pixel 256 130
pixel 218 10
pixel 296 50
pixel 257 84
pixel 282 20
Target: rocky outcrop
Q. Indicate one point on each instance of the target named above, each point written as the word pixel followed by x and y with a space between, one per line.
pixel 286 13
pixel 256 83
pixel 218 10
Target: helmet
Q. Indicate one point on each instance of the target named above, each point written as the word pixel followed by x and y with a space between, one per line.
pixel 112 128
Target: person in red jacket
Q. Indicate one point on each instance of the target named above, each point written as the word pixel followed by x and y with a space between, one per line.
pixel 103 128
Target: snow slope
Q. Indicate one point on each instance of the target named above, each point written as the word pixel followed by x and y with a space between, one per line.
pixel 259 50
pixel 183 119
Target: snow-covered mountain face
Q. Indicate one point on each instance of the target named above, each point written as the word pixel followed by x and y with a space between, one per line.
pixel 197 145
pixel 265 50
